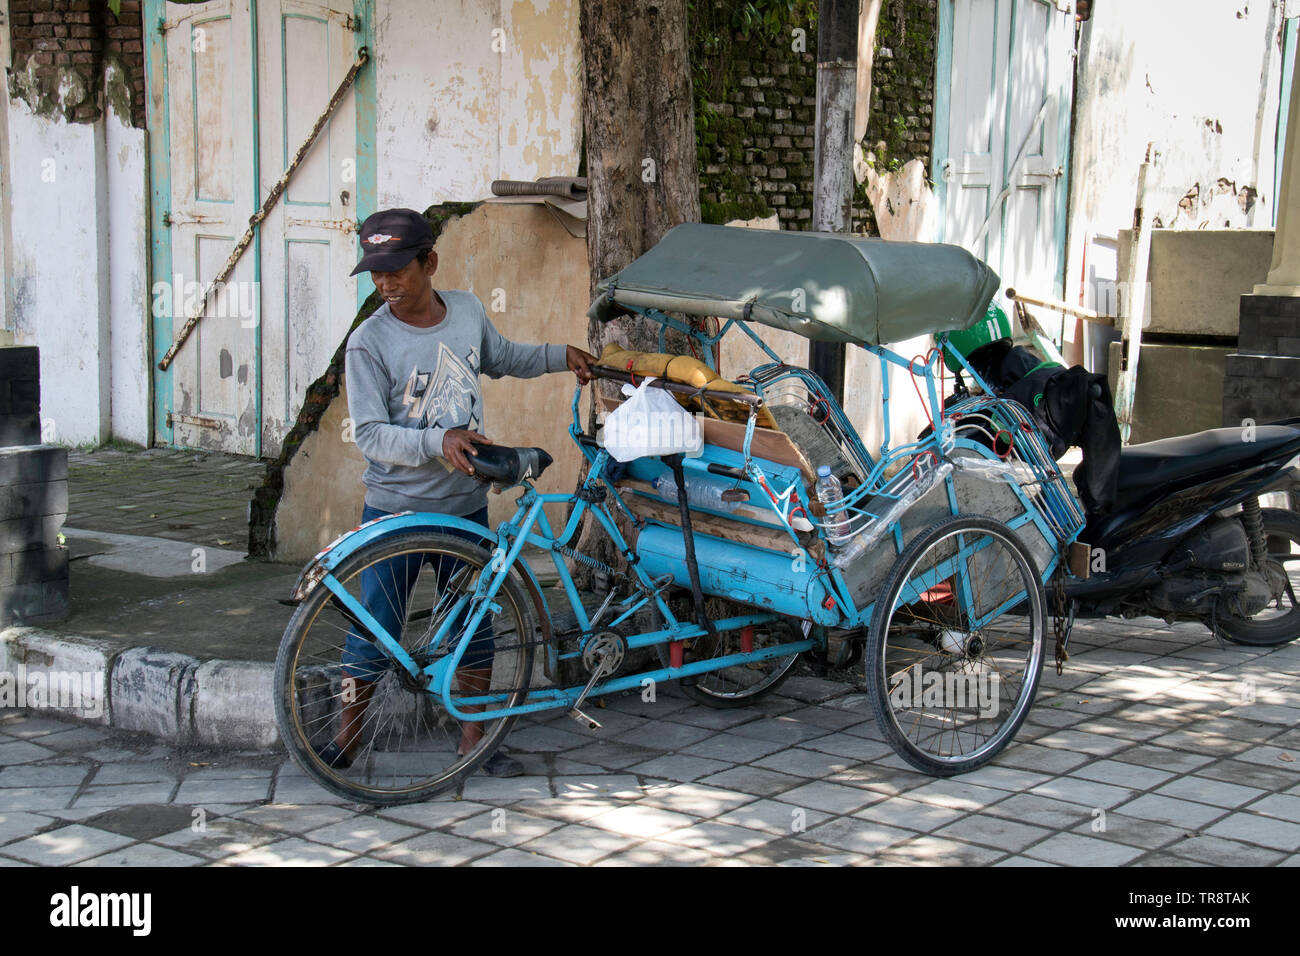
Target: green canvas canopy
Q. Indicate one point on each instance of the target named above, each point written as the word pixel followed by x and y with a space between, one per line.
pixel 823 286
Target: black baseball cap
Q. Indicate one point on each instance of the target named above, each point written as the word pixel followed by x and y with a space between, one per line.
pixel 391 238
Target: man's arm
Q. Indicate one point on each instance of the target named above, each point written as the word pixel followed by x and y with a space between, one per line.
pixel 377 438
pixel 501 357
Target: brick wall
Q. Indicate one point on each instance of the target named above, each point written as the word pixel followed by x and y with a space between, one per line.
pixel 56 41
pixel 756 110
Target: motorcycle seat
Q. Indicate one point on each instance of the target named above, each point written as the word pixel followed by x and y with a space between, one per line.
pixel 508 466
pixel 1172 461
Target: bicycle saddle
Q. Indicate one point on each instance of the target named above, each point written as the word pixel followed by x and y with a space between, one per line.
pixel 508 466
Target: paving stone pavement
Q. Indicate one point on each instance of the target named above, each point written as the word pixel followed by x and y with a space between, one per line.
pixel 1156 747
pixel 193 496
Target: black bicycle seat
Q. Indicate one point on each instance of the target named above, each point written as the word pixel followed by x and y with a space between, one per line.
pixel 508 466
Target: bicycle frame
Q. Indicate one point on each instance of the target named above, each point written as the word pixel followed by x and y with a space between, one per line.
pixel 784 492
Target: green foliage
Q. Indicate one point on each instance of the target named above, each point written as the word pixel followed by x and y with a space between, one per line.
pixel 116 7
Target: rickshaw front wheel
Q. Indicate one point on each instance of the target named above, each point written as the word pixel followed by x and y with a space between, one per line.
pixel 332 682
pixel 956 645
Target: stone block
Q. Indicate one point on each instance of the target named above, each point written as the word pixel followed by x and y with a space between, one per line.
pixel 33 567
pixel 153 690
pixel 39 602
pixel 232 705
pixel 34 498
pixel 26 464
pixel 74 673
pixel 1179 390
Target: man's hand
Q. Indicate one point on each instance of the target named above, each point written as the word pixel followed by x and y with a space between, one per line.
pixel 458 448
pixel 580 363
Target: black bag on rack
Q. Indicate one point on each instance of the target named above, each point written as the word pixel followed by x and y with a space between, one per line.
pixel 1071 406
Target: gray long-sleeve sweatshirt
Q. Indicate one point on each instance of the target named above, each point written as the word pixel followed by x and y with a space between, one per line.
pixel 407 386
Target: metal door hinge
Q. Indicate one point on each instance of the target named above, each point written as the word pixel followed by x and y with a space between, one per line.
pixel 346 20
pixel 173 420
pixel 181 219
pixel 342 225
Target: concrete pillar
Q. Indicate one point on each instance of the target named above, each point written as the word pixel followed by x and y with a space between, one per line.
pixel 1284 274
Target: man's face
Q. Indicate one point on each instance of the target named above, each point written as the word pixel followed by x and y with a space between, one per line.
pixel 409 285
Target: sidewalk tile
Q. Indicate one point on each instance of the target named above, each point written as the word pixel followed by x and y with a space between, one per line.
pixel 292 851
pixel 775 817
pixel 434 849
pixel 1074 850
pixel 1087 793
pixel 1217 851
pixel 991 831
pixel 1175 812
pixel 1214 792
pixel 361 834
pixel 641 821
pixel 69 844
pixel 830 797
pixel 578 844
pixel 144 854
pixel 1247 827
pixel 504 827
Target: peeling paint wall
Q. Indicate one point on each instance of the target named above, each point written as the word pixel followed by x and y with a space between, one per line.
pixel 78 269
pixel 515 258
pixel 474 91
pixel 125 164
pixel 59 255
pixel 1201 81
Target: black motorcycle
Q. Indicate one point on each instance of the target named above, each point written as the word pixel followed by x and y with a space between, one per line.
pixel 1186 537
pixel 1175 527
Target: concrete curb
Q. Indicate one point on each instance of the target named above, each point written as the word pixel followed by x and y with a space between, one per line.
pixel 172 696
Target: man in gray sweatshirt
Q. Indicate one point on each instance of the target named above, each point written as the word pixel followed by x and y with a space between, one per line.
pixel 412 372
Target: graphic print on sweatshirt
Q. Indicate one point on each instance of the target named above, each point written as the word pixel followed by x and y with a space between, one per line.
pixel 447 397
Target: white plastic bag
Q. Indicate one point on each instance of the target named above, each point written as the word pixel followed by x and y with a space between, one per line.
pixel 650 422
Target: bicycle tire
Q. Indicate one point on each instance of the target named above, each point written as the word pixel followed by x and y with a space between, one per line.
pixel 310 690
pixel 915 634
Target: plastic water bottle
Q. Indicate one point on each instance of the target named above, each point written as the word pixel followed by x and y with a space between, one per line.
pixel 700 492
pixel 830 493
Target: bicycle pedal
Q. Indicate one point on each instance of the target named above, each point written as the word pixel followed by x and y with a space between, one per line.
pixel 587 721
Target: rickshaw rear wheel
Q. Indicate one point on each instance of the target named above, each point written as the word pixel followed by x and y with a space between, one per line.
pixel 743 684
pixel 956 645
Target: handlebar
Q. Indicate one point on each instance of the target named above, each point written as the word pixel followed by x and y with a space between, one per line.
pixel 619 375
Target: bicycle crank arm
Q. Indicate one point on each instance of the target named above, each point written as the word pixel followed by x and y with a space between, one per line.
pixel 575 712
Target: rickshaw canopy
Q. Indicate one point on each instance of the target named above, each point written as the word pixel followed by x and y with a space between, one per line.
pixel 823 286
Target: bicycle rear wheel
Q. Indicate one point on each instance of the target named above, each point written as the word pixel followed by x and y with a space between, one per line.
pixel 332 684
pixel 956 645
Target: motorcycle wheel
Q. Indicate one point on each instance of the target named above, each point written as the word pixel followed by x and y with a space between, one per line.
pixel 1279 622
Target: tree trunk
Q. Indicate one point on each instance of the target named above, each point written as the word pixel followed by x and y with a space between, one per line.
pixel 642 177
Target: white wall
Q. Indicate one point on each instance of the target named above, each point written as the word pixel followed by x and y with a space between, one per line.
pixel 78 271
pixel 1198 79
pixel 126 186
pixel 482 90
pixel 59 284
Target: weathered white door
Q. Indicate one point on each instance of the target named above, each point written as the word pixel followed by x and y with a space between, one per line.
pixel 237 116
pixel 1001 148
pixel 209 87
pixel 308 241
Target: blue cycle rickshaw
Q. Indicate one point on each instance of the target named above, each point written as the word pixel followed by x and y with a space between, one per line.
pixel 932 566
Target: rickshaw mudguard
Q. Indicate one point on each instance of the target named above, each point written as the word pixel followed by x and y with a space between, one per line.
pixel 386 526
